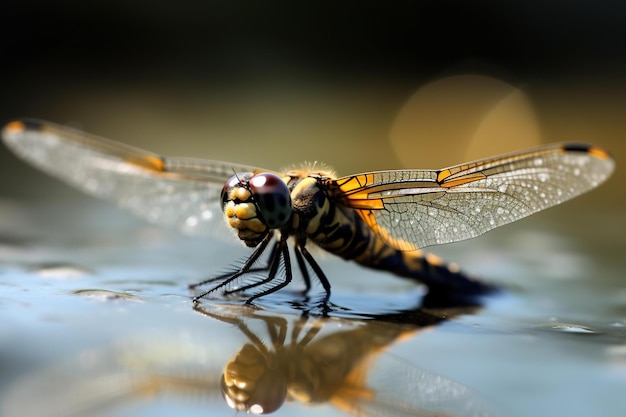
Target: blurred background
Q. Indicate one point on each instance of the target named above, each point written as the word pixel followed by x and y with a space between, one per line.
pixel 357 85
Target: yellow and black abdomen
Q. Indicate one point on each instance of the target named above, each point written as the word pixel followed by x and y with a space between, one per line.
pixel 342 232
pixel 368 249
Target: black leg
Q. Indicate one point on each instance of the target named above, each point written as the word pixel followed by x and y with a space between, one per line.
pixel 228 275
pixel 245 268
pixel 274 258
pixel 283 251
pixel 318 271
pixel 278 254
pixel 303 270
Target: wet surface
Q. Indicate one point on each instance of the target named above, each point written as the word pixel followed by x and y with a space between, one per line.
pixel 97 318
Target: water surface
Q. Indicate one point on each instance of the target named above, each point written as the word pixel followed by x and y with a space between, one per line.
pixel 97 318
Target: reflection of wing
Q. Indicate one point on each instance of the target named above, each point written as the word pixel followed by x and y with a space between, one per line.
pixel 176 192
pixel 400 389
pixel 417 208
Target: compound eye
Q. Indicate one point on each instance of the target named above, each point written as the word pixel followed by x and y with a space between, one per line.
pixel 272 197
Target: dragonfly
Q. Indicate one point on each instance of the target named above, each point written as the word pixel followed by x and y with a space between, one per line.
pixel 380 219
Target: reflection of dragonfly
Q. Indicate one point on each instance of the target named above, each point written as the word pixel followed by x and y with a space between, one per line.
pixel 378 219
pixel 284 359
pixel 346 367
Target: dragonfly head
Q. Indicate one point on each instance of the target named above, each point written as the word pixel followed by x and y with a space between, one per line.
pixel 254 204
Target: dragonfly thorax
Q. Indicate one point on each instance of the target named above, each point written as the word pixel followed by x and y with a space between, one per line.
pixel 310 205
pixel 254 204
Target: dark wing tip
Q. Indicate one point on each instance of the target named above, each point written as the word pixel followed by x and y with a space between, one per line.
pixel 588 149
pixel 21 125
pixel 576 147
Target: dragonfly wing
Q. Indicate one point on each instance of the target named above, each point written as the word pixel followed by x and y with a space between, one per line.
pixel 418 208
pixel 177 192
pixel 400 389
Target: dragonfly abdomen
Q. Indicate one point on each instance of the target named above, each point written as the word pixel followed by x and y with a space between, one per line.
pixel 342 232
pixel 422 267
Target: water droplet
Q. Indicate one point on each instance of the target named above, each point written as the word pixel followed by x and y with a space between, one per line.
pixel 61 271
pixel 573 328
pixel 106 295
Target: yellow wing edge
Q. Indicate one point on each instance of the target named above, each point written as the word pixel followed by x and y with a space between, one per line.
pixel 128 154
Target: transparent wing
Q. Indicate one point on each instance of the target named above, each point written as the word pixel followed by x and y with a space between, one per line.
pixel 175 192
pixel 400 389
pixel 418 208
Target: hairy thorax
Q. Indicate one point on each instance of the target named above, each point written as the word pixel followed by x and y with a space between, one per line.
pixel 317 217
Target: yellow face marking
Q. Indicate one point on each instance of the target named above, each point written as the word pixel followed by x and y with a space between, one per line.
pixel 245 211
pixel 251 226
pixel 229 209
pixel 240 193
pixel 255 225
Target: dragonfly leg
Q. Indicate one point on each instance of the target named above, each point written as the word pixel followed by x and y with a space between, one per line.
pixel 316 268
pixel 274 258
pixel 282 252
pixel 245 269
pixel 305 272
pixel 228 275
